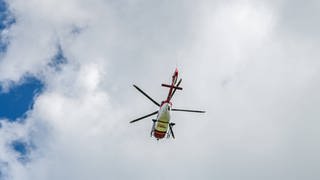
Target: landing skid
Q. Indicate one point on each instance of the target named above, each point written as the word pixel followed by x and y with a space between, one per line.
pixel 153 127
pixel 170 132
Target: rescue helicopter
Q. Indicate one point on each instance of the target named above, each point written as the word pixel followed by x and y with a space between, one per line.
pixel 161 124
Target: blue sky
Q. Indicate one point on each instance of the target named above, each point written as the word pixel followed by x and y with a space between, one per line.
pixel 6 20
pixel 3 10
pixel 3 17
pixel 19 99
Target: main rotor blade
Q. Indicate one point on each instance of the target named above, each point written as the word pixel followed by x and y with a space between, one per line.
pixel 176 89
pixel 155 102
pixel 171 131
pixel 144 117
pixel 186 110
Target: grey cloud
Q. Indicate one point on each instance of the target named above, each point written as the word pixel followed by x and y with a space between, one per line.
pixel 300 18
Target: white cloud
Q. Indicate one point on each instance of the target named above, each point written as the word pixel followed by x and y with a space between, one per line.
pixel 257 82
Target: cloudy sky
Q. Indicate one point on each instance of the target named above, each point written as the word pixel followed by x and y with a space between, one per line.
pixel 67 69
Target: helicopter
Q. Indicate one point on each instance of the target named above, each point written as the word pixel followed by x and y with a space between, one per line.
pixel 161 124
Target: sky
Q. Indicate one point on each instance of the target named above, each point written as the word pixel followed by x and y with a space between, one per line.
pixel 67 69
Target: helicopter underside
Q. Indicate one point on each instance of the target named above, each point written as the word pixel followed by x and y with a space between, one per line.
pixel 161 125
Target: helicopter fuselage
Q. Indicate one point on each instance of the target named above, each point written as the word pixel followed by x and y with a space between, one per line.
pixel 161 125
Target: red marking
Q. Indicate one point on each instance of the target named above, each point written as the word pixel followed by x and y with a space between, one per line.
pixel 163 102
pixel 176 72
pixel 159 134
pixel 174 81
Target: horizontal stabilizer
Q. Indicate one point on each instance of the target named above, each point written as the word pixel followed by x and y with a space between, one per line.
pixel 169 86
